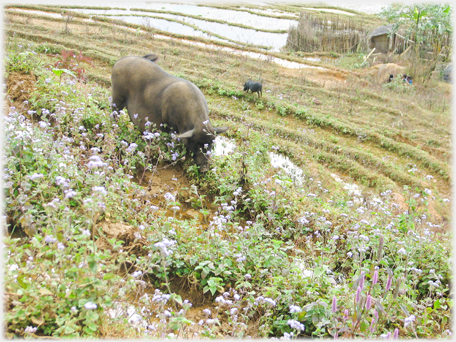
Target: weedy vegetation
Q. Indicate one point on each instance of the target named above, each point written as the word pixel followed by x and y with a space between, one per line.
pixel 110 233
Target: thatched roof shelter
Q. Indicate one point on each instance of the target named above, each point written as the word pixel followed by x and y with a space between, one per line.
pixel 383 39
pixel 380 31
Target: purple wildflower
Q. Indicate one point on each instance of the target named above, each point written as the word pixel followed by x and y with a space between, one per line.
pixel 295 308
pixel 90 306
pixel 296 325
pixel 375 278
pixel 334 305
pixel 368 301
pixel 389 282
pixel 358 293
pixel 396 334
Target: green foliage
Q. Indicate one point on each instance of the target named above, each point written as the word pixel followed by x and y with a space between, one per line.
pixel 58 304
pixel 351 61
pixel 48 49
pixel 428 25
pixel 300 112
pixel 259 105
pixel 21 59
pixel 282 110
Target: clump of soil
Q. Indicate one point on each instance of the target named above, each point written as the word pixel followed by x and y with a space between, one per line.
pixel 165 178
pixel 400 200
pixel 133 242
pixel 116 229
pixel 19 87
pixel 172 179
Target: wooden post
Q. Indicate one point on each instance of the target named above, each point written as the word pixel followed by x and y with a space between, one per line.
pixel 397 34
pixel 405 50
pixel 365 58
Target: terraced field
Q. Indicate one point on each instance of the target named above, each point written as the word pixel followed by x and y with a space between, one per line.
pixel 337 123
pixel 364 131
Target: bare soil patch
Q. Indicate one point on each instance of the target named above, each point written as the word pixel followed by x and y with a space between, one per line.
pixel 116 229
pixel 19 86
pixel 327 78
pixel 165 178
pixel 172 179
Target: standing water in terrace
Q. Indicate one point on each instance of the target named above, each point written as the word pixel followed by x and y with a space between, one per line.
pixel 278 160
pixel 223 146
pixel 181 11
pixel 205 28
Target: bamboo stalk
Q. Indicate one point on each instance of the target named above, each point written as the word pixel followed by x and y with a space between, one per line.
pixel 397 34
pixel 405 50
pixel 365 58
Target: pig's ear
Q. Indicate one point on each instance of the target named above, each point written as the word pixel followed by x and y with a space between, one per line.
pixel 220 130
pixel 187 134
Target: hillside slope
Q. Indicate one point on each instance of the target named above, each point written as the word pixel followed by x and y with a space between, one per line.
pixel 332 180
